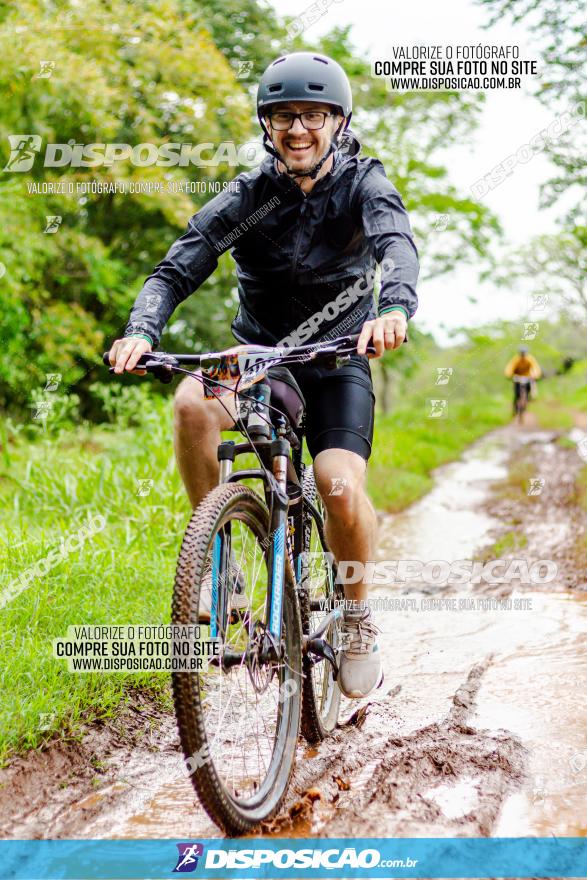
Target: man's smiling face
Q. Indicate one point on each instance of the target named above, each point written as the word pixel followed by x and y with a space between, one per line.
pixel 301 148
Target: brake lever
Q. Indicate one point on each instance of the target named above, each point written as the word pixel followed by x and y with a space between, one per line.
pixel 159 365
pixel 349 348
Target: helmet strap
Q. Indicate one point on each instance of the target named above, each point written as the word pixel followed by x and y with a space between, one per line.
pixel 315 170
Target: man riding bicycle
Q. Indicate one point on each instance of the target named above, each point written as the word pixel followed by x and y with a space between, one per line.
pixel 524 365
pixel 306 228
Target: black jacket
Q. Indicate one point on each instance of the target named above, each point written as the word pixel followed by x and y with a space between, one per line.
pixel 294 254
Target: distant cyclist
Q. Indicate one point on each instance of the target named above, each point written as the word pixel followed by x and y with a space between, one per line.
pixel 305 230
pixel 523 366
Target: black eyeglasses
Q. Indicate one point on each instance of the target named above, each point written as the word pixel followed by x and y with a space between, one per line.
pixel 310 119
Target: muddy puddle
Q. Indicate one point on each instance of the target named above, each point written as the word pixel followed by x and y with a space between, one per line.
pixel 480 727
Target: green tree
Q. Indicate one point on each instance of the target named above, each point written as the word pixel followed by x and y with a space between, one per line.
pixel 120 73
pixel 559 31
pixel 557 268
pixel 173 71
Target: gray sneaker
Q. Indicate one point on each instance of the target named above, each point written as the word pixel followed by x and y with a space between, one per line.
pixel 238 599
pixel 360 664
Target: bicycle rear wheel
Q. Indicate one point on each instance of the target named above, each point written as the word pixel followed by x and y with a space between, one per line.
pixel 319 591
pixel 238 726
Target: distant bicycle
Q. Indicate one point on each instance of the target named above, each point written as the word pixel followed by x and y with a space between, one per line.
pixel 522 385
pixel 256 573
pixel 523 369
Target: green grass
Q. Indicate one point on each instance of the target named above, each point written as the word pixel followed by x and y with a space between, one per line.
pixel 581 488
pixel 579 549
pixel 121 575
pixel 408 445
pixel 561 398
pixel 516 484
pixel 506 545
pixel 565 443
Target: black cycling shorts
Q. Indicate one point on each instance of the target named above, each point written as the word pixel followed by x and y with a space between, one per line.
pixel 340 406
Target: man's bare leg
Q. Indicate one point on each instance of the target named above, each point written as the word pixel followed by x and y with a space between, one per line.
pixel 351 532
pixel 197 424
pixel 351 521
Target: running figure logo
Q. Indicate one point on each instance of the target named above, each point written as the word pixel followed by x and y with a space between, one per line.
pixel 23 149
pixel 187 860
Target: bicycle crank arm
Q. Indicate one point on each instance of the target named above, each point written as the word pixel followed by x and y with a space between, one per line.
pixel 336 614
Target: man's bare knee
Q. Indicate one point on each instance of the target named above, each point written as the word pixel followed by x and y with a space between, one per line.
pixel 188 402
pixel 338 472
pixel 191 408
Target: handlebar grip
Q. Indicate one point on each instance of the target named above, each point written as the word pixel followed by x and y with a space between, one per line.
pixel 106 360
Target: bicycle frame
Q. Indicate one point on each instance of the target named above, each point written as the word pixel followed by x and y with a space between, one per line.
pixel 280 472
pixel 289 532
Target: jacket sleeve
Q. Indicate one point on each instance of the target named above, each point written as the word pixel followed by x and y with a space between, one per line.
pixel 189 261
pixel 387 228
pixel 510 367
pixel 535 371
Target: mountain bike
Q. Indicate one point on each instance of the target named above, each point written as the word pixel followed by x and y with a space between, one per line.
pixel 255 572
pixel 521 395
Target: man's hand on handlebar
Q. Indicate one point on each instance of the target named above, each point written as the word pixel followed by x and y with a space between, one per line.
pixel 387 332
pixel 125 353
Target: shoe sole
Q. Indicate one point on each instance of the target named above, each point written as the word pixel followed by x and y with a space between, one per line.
pixel 355 695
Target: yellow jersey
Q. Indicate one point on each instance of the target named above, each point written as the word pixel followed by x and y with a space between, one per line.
pixel 523 365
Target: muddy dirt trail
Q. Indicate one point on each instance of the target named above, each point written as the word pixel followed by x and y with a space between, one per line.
pixel 480 727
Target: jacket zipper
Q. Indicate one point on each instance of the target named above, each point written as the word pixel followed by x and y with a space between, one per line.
pixel 298 243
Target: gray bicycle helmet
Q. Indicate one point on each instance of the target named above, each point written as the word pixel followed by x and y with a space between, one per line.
pixel 304 76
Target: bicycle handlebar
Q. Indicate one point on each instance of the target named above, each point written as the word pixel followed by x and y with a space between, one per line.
pixel 164 365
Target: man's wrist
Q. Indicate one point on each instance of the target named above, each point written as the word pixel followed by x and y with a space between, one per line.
pixel 395 309
pixel 140 336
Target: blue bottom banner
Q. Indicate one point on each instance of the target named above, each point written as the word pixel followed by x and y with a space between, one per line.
pixel 517 857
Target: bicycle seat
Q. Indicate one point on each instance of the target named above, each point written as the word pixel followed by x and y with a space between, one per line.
pixel 286 394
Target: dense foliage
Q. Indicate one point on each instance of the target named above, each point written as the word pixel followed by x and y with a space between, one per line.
pixel 175 71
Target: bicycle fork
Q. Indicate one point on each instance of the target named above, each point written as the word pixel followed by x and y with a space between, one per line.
pixel 280 544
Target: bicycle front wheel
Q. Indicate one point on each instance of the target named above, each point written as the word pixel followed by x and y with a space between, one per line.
pixel 522 402
pixel 239 721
